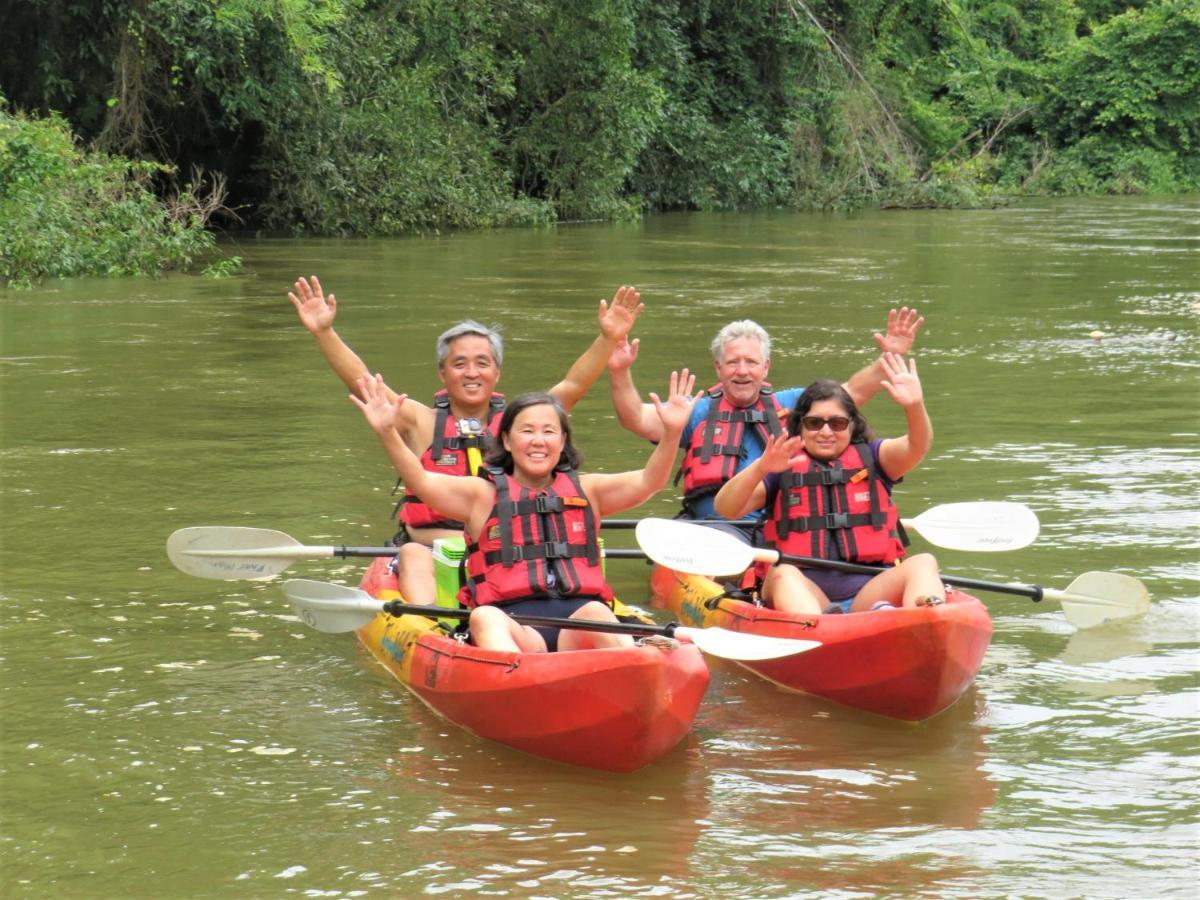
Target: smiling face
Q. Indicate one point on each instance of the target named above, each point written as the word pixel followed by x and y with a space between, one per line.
pixel 469 372
pixel 742 369
pixel 535 443
pixel 824 443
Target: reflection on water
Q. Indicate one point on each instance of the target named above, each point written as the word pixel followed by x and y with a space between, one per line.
pixel 165 736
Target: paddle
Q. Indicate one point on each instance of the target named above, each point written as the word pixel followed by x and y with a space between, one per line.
pixel 335 608
pixel 236 553
pixel 254 554
pixel 987 526
pixel 1091 599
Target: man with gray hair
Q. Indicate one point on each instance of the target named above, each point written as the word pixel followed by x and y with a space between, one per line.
pixel 731 424
pixel 469 356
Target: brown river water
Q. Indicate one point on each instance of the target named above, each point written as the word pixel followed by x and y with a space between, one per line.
pixel 165 736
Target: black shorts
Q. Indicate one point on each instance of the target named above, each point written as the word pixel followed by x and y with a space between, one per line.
pixel 558 607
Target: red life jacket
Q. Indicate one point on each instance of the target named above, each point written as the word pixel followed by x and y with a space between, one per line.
pixel 718 443
pixel 536 543
pixel 843 501
pixel 448 455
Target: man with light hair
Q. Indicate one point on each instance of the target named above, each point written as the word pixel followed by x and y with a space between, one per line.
pixel 731 424
pixel 452 434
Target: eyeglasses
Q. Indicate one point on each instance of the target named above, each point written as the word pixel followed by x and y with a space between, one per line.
pixel 816 423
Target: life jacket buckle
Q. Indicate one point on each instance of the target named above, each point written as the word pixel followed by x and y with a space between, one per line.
pixel 556 549
pixel 836 520
pixel 830 477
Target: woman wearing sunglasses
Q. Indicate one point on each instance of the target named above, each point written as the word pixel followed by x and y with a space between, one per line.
pixel 828 486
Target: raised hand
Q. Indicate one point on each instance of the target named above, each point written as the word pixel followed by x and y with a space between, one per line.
pixel 624 355
pixel 677 409
pixel 781 452
pixel 617 318
pixel 901 383
pixel 379 404
pixel 902 328
pixel 316 312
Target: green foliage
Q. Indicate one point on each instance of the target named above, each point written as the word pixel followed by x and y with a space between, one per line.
pixel 223 268
pixel 368 117
pixel 581 112
pixel 730 76
pixel 1125 103
pixel 405 144
pixel 67 212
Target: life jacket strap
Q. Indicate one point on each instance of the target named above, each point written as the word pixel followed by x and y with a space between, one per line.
pixel 531 552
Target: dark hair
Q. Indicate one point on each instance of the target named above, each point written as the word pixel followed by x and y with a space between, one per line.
pixel 828 389
pixel 500 457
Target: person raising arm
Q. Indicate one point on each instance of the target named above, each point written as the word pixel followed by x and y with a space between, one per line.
pixel 828 488
pixel 730 426
pixel 450 434
pixel 532 520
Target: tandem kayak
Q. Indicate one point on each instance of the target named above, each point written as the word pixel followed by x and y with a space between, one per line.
pixel 615 709
pixel 908 664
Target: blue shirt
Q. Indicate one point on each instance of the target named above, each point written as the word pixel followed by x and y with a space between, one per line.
pixel 752 448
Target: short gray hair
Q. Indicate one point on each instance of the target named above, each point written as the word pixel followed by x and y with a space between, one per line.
pixel 742 328
pixel 470 327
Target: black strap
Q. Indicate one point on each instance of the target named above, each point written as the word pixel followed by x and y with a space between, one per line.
pixel 548 550
pixel 441 406
pixel 710 421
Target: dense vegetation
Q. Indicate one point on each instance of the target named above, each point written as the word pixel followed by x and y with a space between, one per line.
pixel 382 116
pixel 64 211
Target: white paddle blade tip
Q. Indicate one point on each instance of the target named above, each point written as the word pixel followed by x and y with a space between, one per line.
pixel 198 551
pixel 1095 598
pixel 691 548
pixel 743 647
pixel 980 527
pixel 332 608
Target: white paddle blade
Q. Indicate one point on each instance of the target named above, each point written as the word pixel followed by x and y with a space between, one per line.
pixel 332 608
pixel 691 548
pixel 746 647
pixel 231 552
pixel 1098 597
pixel 987 526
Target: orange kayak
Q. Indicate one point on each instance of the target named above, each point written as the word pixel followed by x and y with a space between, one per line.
pixel 615 709
pixel 908 664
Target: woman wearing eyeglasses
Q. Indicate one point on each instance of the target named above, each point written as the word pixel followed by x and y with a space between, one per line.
pixel 828 485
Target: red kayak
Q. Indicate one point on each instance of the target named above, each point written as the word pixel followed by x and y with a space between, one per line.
pixel 616 709
pixel 908 664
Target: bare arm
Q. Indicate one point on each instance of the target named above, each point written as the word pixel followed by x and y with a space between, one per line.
pixel 317 313
pixel 745 491
pixel 634 415
pixel 451 495
pixel 616 320
pixel 898 456
pixel 902 328
pixel 616 493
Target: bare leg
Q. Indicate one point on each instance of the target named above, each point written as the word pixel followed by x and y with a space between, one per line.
pixel 569 639
pixel 914 579
pixel 414 572
pixel 491 629
pixel 788 590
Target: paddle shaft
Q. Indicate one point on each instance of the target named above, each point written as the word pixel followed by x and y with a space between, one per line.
pixel 1033 591
pixel 396 608
pixel 632 523
pixel 312 552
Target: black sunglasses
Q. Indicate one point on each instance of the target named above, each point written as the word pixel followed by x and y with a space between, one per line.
pixel 816 423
